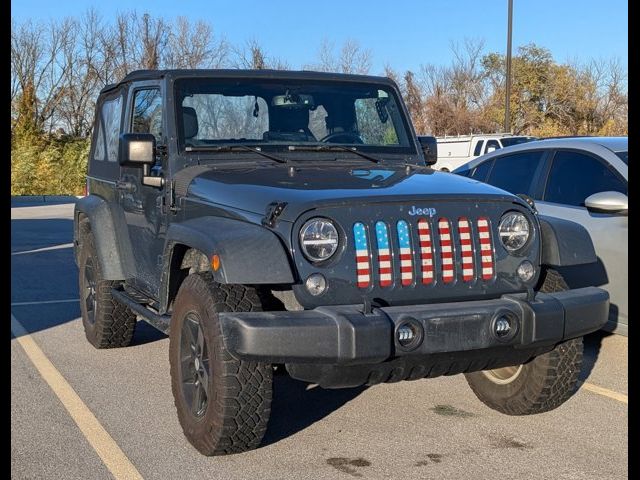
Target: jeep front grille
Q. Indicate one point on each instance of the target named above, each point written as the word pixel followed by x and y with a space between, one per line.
pixel 460 250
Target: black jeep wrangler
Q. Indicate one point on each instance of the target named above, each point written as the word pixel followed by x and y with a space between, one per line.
pixel 290 219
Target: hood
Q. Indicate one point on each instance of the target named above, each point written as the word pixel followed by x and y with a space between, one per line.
pixel 253 189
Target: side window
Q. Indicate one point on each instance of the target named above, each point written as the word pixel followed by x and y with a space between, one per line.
pixel 478 148
pixel 515 173
pixel 569 167
pixel 481 171
pixel 491 143
pixel 108 131
pixel 147 112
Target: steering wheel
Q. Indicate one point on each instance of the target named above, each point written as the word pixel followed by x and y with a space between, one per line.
pixel 346 135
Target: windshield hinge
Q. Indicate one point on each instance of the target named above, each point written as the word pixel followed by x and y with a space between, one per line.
pixel 169 200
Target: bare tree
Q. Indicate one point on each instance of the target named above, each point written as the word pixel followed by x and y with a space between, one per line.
pixel 81 81
pixel 253 56
pixel 352 58
pixel 194 46
pixel 38 70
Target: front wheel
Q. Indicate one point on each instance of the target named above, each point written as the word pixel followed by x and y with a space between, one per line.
pixel 223 404
pixel 540 385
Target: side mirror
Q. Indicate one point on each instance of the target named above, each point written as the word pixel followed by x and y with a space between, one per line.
pixel 491 149
pixel 429 146
pixel 137 149
pixel 607 202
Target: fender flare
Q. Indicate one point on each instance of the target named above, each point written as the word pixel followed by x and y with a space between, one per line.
pixel 249 253
pixel 110 234
pixel 565 243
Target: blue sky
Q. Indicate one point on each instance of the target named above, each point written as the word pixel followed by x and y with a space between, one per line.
pixel 404 34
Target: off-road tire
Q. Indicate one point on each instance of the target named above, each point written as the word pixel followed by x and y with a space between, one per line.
pixel 544 383
pixel 552 281
pixel 239 392
pixel 113 323
pixel 540 385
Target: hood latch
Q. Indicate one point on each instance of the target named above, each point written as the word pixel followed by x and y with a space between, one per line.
pixel 274 210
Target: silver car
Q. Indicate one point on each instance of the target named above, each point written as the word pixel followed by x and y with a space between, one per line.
pixel 583 179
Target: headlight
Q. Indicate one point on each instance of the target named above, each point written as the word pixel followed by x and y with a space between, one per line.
pixel 514 231
pixel 319 239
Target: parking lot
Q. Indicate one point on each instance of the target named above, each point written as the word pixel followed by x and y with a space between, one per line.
pixel 109 413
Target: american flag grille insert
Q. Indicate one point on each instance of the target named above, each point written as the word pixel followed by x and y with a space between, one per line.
pixel 363 271
pixel 426 251
pixel 385 271
pixel 406 255
pixel 466 248
pixel 436 257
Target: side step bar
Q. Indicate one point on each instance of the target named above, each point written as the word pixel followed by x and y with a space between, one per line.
pixel 161 322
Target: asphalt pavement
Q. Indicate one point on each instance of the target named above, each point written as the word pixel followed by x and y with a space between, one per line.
pixel 425 429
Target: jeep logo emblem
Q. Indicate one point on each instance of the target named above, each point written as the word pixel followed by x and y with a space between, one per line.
pixel 431 212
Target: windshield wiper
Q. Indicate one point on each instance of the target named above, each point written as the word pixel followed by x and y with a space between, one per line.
pixel 231 148
pixel 334 148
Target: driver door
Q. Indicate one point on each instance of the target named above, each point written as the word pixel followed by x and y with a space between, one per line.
pixel 142 204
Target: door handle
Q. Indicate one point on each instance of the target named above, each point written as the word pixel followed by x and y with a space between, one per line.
pixel 127 187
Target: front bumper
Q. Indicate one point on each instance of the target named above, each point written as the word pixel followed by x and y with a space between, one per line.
pixel 322 344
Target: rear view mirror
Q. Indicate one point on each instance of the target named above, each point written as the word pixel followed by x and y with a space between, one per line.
pixel 137 149
pixel 293 101
pixel 429 147
pixel 607 202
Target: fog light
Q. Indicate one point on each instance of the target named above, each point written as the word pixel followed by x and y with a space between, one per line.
pixel 409 334
pixel 502 327
pixel 526 271
pixel 316 284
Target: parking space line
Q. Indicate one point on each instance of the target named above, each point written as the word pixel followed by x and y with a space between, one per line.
pixel 620 397
pixel 107 449
pixel 44 302
pixel 44 249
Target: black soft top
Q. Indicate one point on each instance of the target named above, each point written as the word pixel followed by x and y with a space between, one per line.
pixel 140 75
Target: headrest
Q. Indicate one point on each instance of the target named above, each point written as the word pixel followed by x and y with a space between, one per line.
pixel 189 122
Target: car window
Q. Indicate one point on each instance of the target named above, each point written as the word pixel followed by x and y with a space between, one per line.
pixel 106 147
pixel 574 176
pixel 478 148
pixel 491 143
pixel 515 172
pixel 480 172
pixel 147 112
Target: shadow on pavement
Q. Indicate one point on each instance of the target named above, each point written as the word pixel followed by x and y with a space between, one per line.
pixel 145 333
pixel 295 408
pixel 592 345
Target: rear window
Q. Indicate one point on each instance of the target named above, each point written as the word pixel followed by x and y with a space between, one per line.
pixel 624 156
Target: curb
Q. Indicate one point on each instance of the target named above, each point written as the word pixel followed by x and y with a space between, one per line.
pixel 45 198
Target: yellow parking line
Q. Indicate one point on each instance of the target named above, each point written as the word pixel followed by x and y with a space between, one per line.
pixel 106 448
pixel 605 392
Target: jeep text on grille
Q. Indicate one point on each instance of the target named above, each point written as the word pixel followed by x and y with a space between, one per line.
pixel 291 219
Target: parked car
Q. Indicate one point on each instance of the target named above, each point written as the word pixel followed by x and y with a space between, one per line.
pixel 582 179
pixel 456 151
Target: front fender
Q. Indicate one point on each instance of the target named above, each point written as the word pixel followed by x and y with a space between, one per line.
pixel 249 253
pixel 565 243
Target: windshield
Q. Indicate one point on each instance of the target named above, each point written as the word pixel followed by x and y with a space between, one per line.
pixel 507 142
pixel 624 156
pixel 278 114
